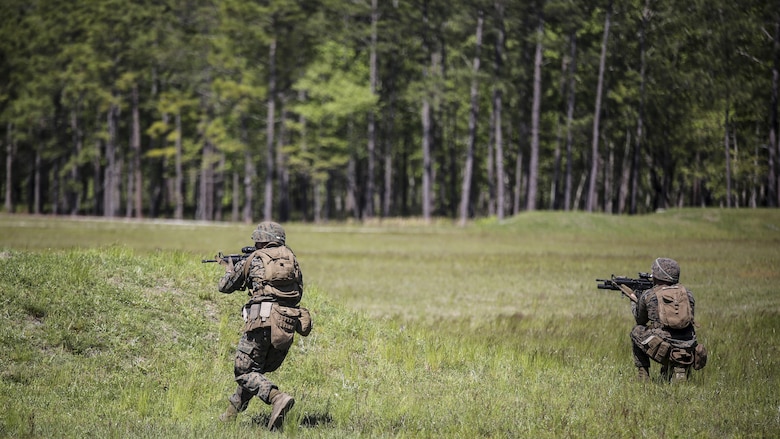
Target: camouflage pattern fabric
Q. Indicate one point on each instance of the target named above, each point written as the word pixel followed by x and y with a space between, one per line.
pixel 665 269
pixel 269 231
pixel 647 319
pixel 254 279
pixel 235 281
pixel 255 356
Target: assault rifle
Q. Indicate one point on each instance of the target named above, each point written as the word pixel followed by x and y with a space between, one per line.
pixel 626 285
pixel 246 251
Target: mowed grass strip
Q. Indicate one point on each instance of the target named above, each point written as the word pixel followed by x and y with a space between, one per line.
pixel 115 328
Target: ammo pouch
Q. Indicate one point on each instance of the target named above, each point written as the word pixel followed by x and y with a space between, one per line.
pixel 656 348
pixel 257 315
pixel 304 322
pixel 699 357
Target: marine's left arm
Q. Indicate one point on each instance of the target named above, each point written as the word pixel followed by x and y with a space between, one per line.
pixel 693 302
pixel 233 278
pixel 640 309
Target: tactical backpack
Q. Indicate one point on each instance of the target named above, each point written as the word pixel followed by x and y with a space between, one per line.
pixel 282 274
pixel 674 307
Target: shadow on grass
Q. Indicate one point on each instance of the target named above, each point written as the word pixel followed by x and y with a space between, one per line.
pixel 309 420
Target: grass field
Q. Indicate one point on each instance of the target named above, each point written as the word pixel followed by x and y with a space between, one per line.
pixel 115 328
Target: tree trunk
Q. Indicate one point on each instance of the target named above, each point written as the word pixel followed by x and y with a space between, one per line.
pixel 608 170
pixel 36 200
pixel 425 115
pixel 754 180
pixel 370 190
pixel 281 167
pixel 497 108
pixel 499 157
pixel 426 150
pixel 10 150
pixel 111 181
pixel 54 193
pixel 249 172
pixel 773 196
pixel 135 146
pixel 518 180
pixel 269 141
pixel 594 165
pixel 387 194
pixel 728 154
pixel 569 120
pixel 533 163
pixel 490 165
pixel 625 174
pixel 178 184
pixel 309 179
pixel 469 165
pixel 634 183
pixel 205 206
pixel 218 193
pixel 451 170
pixel 555 184
pixel 235 196
pixel 317 188
pixel 99 185
pixel 72 193
pixel 351 199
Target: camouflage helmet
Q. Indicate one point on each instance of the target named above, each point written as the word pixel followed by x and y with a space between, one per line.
pixel 665 269
pixel 269 231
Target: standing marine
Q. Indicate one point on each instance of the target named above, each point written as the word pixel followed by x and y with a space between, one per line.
pixel 273 280
pixel 665 330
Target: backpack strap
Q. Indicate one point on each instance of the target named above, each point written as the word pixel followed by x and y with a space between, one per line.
pixel 248 266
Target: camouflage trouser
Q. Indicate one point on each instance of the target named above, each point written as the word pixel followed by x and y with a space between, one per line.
pixel 638 335
pixel 254 357
pixel 680 352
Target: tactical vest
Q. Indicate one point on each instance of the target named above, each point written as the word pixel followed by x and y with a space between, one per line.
pixel 282 276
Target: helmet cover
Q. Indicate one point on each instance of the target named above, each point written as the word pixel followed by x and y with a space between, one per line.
pixel 269 231
pixel 665 269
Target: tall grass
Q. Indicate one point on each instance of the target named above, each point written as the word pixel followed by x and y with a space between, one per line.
pixel 115 328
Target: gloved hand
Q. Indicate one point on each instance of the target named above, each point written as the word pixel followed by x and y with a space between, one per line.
pixel 626 291
pixel 225 262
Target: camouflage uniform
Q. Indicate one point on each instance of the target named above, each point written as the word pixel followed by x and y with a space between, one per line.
pixel 681 341
pixel 256 353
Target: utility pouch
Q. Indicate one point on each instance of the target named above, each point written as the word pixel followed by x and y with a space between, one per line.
pixel 699 357
pixel 681 356
pixel 656 348
pixel 257 315
pixel 265 310
pixel 284 320
pixel 304 322
pixel 254 311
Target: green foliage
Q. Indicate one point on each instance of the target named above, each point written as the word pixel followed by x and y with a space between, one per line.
pixel 494 330
pixel 66 64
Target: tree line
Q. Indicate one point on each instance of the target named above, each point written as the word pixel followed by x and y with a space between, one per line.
pixel 311 110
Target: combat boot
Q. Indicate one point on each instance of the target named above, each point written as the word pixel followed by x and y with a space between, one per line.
pixel 229 415
pixel 282 403
pixel 679 374
pixel 643 374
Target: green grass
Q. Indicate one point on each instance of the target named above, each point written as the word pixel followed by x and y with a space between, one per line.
pixel 115 328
